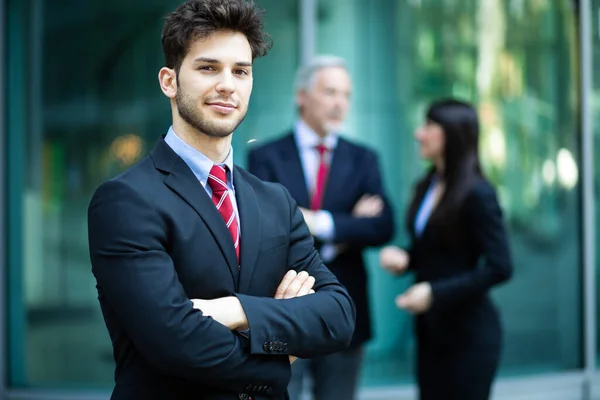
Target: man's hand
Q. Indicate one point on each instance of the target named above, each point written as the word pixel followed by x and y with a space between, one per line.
pixel 417 299
pixel 295 285
pixel 368 206
pixel 309 218
pixel 394 259
pixel 226 310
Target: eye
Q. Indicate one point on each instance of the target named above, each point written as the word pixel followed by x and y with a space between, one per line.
pixel 241 72
pixel 206 68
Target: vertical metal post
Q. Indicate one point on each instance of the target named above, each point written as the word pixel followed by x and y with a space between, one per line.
pixel 308 29
pixel 587 163
pixel 3 211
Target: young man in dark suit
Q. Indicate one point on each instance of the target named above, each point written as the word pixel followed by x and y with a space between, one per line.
pixel 337 185
pixel 207 277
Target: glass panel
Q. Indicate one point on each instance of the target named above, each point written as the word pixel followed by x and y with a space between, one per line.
pixel 85 105
pixel 595 102
pixel 516 60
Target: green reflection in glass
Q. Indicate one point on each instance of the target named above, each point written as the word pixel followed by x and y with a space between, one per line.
pixel 517 62
pixel 85 104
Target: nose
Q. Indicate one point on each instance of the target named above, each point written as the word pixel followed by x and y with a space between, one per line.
pixel 226 84
pixel 340 105
pixel 418 134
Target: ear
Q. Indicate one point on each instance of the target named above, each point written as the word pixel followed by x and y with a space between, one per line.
pixel 301 98
pixel 167 78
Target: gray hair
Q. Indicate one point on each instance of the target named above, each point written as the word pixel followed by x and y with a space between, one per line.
pixel 305 77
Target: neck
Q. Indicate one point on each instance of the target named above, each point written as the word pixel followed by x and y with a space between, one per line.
pixel 319 130
pixel 439 166
pixel 215 148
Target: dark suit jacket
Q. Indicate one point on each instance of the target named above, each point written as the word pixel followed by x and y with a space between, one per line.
pixel 354 172
pixel 157 240
pixel 461 273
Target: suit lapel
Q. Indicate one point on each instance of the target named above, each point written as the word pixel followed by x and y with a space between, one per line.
pixel 294 181
pixel 183 182
pixel 250 229
pixel 340 172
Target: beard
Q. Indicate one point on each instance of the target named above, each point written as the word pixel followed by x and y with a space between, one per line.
pixel 334 127
pixel 203 123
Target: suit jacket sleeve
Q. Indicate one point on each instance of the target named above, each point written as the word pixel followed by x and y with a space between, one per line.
pixel 366 231
pixel 308 326
pixel 137 280
pixel 483 219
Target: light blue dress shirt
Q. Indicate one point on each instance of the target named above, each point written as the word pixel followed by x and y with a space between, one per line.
pixel 201 165
pixel 307 141
pixel 426 208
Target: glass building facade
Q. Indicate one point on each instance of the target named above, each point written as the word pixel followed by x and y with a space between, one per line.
pixel 81 102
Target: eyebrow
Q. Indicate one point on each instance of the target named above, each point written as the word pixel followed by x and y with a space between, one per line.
pixel 215 61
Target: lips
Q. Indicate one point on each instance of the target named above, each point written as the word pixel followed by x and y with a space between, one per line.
pixel 222 108
pixel 219 104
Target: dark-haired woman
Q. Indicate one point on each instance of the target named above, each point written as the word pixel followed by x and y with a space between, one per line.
pixel 459 251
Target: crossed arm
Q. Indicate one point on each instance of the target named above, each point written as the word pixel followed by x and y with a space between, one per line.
pixel 229 311
pixel 369 223
pixel 138 283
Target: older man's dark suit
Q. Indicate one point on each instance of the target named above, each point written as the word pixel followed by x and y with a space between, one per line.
pixel 157 240
pixel 354 172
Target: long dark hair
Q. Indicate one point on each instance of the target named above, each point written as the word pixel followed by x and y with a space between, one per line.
pixel 460 124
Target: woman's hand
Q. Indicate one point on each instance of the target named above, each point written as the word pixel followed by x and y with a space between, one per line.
pixel 417 299
pixel 394 259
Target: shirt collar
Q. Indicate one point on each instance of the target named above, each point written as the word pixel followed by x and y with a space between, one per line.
pixel 306 138
pixel 195 160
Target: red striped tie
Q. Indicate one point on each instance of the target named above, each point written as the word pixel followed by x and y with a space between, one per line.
pixel 217 180
pixel 322 172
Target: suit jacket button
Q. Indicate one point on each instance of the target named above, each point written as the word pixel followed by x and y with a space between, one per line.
pixel 248 387
pixel 272 347
pixel 243 396
pixel 266 346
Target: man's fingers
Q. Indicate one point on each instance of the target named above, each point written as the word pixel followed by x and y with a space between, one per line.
pixel 368 206
pixel 306 287
pixel 360 203
pixel 365 201
pixel 294 287
pixel 285 283
pixel 378 206
pixel 375 206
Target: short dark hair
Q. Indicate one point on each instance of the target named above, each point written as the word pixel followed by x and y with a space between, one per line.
pixel 198 19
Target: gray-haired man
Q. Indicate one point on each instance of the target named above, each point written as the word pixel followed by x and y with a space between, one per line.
pixel 337 185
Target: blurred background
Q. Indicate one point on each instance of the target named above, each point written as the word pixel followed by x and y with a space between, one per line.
pixel 81 102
